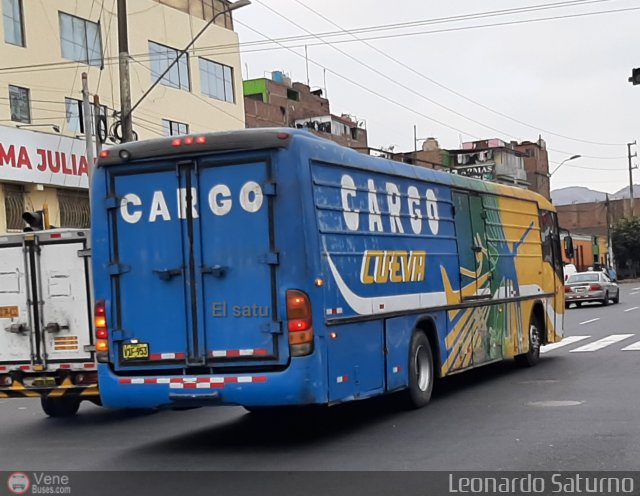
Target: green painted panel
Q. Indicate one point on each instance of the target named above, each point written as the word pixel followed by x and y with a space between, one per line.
pixel 256 87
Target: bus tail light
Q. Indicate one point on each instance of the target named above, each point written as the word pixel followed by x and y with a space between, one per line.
pixel 299 323
pixel 102 332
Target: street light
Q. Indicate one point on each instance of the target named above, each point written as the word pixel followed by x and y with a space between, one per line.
pixel 52 126
pixel 562 163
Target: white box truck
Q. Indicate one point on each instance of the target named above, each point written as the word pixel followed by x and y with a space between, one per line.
pixel 46 339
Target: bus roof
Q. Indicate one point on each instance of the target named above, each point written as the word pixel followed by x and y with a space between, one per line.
pixel 271 138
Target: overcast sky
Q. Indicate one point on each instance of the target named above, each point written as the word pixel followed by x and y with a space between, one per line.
pixel 564 76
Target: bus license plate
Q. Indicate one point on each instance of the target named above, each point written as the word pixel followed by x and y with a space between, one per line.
pixel 137 351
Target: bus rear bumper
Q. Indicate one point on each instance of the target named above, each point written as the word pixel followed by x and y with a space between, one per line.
pixel 291 386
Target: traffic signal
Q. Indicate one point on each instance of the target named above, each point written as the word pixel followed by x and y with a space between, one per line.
pixel 35 220
pixel 635 76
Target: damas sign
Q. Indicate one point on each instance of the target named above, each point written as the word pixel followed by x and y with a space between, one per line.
pixel 34 157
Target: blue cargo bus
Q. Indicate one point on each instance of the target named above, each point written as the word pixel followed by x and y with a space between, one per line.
pixel 270 267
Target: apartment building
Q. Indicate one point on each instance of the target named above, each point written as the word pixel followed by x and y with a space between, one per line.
pixel 277 101
pixel 45 47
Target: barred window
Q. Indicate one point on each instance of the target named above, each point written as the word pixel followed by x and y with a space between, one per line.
pixel 14 206
pixel 74 208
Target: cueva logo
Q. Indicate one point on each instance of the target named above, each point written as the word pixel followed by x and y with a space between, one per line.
pixel 18 483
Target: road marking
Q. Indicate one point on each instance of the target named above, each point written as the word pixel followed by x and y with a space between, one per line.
pixel 589 321
pixel 566 341
pixel 632 308
pixel 602 343
pixel 632 347
pixel 636 289
pixel 634 293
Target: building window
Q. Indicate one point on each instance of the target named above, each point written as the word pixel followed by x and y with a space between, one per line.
pixel 216 80
pixel 14 206
pixel 80 40
pixel 74 208
pixel 74 116
pixel 19 104
pixel 13 22
pixel 161 57
pixel 173 128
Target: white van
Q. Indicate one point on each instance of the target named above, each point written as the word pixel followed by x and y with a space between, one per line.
pixel 569 270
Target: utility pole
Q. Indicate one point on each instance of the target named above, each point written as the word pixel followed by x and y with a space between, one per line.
pixel 629 145
pixel 97 122
pixel 88 137
pixel 125 86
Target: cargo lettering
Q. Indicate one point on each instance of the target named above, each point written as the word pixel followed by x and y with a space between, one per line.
pixel 421 208
pixel 220 202
pixel 383 266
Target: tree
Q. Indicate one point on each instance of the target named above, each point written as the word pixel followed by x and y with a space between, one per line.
pixel 625 241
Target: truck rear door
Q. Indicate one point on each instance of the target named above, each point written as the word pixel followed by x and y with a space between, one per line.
pixel 16 326
pixel 194 264
pixel 65 312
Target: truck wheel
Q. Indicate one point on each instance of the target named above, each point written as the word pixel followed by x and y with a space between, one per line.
pixel 531 357
pixel 60 407
pixel 421 375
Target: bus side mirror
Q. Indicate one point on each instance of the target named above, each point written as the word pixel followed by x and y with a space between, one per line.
pixel 568 247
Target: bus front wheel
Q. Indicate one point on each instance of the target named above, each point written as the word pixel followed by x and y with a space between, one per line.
pixel 421 374
pixel 532 356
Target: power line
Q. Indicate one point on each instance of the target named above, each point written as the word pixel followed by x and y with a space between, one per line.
pixel 358 85
pixel 396 82
pixel 427 78
pixel 388 78
pixel 369 29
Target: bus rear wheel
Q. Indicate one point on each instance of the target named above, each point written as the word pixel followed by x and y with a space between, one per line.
pixel 421 373
pixel 532 357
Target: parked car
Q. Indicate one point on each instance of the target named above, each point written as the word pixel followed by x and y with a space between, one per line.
pixel 590 286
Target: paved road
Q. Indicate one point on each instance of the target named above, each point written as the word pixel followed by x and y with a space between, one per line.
pixel 577 410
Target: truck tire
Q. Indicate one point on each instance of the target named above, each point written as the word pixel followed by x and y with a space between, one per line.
pixel 60 407
pixel 532 357
pixel 420 369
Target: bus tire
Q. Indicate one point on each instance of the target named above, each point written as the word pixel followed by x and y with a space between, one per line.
pixel 60 407
pixel 420 369
pixel 532 356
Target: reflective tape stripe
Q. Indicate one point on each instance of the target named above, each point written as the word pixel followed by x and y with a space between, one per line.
pixel 239 353
pixel 342 378
pixel 166 356
pixel 334 311
pixel 193 382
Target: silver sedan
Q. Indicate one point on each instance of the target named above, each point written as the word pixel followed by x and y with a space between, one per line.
pixel 590 286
